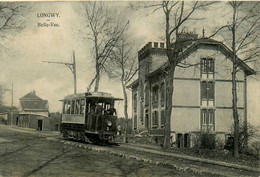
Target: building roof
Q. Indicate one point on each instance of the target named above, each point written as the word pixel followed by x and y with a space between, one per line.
pixel 31 102
pixel 195 45
pixel 30 96
pixel 223 48
pixel 186 51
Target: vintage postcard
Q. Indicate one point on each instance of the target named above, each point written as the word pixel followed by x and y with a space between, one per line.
pixel 129 88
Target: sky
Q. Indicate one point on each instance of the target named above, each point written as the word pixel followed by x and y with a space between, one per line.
pixel 22 64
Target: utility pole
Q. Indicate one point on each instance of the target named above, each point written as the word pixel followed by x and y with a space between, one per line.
pixel 71 66
pixel 11 91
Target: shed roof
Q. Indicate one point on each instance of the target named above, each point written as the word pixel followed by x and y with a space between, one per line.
pixel 31 102
pixel 30 96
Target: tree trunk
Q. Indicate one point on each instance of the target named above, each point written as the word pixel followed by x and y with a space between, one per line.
pixel 125 111
pixel 169 96
pixel 169 84
pixel 97 78
pixel 234 86
pixel 235 115
pixel 97 65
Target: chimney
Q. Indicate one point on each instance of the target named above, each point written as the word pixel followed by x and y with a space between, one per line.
pixel 184 39
pixel 33 92
pixel 186 36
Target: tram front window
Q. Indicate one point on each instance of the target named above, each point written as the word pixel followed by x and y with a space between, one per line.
pixel 82 105
pixel 99 108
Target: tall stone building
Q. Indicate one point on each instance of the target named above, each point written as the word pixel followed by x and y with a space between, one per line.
pixel 202 97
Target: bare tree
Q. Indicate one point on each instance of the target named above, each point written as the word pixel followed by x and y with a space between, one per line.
pixel 245 30
pixel 123 65
pixel 11 22
pixel 104 32
pixel 176 14
pixel 11 15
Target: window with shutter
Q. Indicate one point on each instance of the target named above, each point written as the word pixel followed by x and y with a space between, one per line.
pixel 204 65
pixel 155 118
pixel 207 118
pixel 211 117
pixel 147 96
pixel 204 90
pixel 162 95
pixel 204 116
pixel 210 90
pixel 210 65
pixel 135 102
pixel 162 117
pixel 135 121
pixel 155 96
pixel 207 65
pixel 207 90
pixel 155 93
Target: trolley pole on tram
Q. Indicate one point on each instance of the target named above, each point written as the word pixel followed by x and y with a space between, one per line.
pixel 71 66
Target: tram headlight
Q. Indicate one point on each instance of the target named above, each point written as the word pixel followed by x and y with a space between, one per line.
pixel 109 123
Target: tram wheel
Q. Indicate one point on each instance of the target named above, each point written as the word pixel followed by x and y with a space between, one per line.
pixel 65 134
pixel 94 139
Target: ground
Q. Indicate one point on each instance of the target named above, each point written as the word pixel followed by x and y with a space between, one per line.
pixel 26 152
pixel 215 154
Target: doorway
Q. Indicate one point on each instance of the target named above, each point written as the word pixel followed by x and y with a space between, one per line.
pixel 179 140
pixel 39 125
pixel 186 140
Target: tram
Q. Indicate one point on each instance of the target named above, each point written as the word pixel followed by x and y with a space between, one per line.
pixel 89 117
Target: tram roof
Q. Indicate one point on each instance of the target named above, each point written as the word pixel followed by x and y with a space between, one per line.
pixel 97 95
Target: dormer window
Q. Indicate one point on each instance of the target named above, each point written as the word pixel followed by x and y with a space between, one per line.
pixel 207 65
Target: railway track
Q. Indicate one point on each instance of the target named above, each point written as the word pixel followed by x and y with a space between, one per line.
pixel 33 171
pixel 2 156
pixel 26 144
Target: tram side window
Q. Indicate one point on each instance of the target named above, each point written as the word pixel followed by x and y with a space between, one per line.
pixel 67 107
pixel 82 106
pixel 77 109
pixel 64 107
pixel 72 107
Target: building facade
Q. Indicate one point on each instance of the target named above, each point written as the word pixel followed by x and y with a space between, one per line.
pixel 202 98
pixel 34 113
